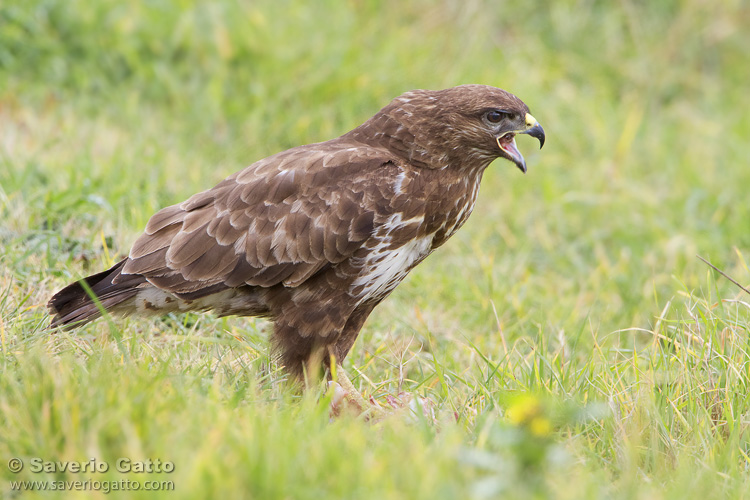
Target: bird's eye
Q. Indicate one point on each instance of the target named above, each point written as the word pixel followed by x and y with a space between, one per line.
pixel 494 116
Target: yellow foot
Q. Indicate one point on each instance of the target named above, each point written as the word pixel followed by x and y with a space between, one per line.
pixel 346 398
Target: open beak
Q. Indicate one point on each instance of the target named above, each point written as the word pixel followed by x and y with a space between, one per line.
pixel 507 141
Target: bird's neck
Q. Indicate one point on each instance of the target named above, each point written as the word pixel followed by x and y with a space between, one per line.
pixel 418 142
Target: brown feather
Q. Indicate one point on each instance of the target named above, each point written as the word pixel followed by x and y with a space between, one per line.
pixel 214 263
pixel 163 218
pixel 150 243
pixel 186 246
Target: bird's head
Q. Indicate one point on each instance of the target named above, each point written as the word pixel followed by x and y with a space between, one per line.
pixel 468 124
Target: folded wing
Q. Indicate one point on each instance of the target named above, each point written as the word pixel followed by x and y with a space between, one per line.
pixel 279 221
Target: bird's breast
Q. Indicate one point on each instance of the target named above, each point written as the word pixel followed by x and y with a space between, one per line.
pixel 402 241
pixel 386 266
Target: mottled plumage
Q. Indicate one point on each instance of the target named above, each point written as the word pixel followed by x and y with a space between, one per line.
pixel 316 236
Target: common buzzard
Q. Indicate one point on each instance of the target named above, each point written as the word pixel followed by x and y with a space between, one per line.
pixel 313 238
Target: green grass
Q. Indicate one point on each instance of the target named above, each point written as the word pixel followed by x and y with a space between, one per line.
pixel 569 339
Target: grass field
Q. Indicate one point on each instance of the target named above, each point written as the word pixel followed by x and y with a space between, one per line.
pixel 570 340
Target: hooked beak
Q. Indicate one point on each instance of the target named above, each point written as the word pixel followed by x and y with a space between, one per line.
pixel 507 141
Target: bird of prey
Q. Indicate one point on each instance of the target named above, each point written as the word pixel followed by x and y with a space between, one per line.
pixel 313 238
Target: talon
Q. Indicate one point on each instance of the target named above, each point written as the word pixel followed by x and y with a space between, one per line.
pixel 345 395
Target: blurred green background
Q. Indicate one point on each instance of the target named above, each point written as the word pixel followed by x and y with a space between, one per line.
pixel 577 282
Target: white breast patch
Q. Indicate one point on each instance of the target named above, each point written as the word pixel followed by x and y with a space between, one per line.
pixel 389 267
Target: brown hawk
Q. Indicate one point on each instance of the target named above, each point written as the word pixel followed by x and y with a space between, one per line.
pixel 313 238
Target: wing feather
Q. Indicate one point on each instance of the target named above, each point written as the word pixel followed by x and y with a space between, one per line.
pixel 279 221
pixel 160 240
pixel 163 218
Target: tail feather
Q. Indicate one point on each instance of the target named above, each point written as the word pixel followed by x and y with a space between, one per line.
pixel 73 306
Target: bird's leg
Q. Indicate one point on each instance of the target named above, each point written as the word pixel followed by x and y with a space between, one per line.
pixel 344 390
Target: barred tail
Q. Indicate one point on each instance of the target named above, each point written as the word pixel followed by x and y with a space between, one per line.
pixel 72 306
